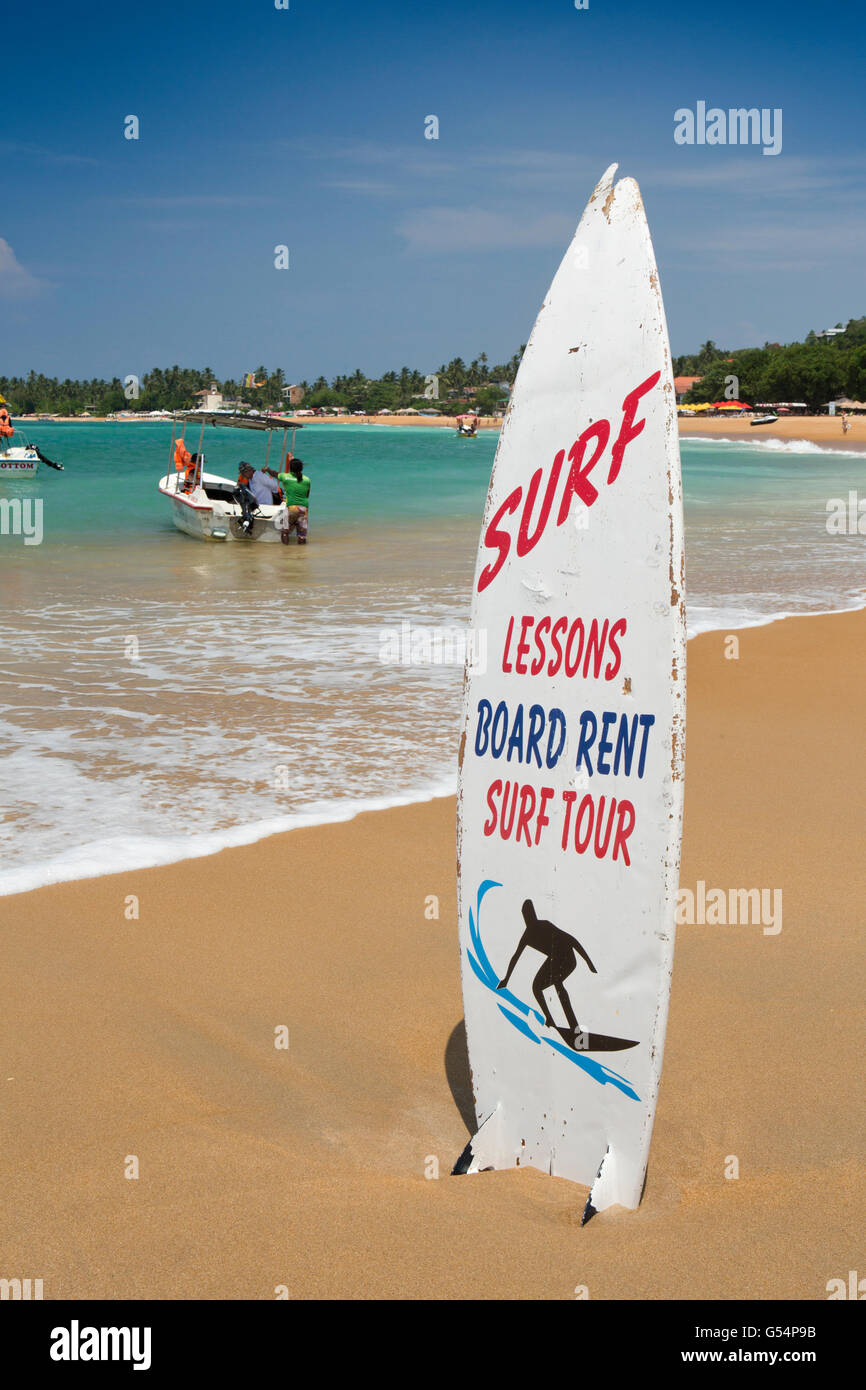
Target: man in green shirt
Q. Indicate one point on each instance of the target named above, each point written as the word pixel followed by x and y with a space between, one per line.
pixel 296 486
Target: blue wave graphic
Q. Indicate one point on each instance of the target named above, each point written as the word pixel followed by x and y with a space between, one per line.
pixel 597 1070
pixel 518 1023
pixel 479 962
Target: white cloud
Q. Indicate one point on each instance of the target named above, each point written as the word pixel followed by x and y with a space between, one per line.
pixel 776 244
pixel 788 177
pixel 476 229
pixel 15 147
pixel 15 281
pixel 372 186
pixel 200 200
pixel 553 170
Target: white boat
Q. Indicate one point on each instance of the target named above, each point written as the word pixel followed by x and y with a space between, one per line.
pixel 21 461
pixel 206 505
pixel 18 460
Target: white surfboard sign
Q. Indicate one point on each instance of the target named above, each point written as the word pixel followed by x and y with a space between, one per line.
pixel 572 753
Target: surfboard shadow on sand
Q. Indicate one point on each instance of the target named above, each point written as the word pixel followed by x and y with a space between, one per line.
pixel 459 1076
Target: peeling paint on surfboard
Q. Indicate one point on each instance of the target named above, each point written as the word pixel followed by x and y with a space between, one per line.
pixel 570 788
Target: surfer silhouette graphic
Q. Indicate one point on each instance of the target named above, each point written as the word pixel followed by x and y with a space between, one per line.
pixel 560 951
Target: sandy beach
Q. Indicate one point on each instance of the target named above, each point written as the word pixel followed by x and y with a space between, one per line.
pixel 152 1038
pixel 819 429
pixel 449 421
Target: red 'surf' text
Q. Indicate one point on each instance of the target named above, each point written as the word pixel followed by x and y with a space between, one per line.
pixel 577 484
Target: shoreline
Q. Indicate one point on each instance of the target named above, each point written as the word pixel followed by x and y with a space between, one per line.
pixel 823 430
pixel 437 422
pixel 152 1035
pixel 211 843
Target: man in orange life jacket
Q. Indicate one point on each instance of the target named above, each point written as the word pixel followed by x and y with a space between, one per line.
pixel 183 459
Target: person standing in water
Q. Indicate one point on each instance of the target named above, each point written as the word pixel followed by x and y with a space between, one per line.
pixel 296 486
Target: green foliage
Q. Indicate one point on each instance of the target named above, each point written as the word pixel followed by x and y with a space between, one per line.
pixel 324 396
pixel 816 371
pixel 489 398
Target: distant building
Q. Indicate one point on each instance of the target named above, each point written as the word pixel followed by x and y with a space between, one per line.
pixel 210 398
pixel 830 333
pixel 683 385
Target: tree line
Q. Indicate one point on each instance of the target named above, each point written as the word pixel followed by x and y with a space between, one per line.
pixel 176 388
pixel 816 370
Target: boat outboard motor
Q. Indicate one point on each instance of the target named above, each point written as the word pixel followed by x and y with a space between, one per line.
pixel 42 459
pixel 248 505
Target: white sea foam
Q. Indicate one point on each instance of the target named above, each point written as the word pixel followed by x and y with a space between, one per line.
pixel 708 619
pixel 96 768
pixel 125 853
pixel 773 445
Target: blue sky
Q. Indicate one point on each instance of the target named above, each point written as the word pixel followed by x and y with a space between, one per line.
pixel 305 127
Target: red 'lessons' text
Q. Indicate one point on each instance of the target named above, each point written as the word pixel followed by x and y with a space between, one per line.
pixel 566 643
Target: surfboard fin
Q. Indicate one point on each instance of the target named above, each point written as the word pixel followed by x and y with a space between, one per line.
pixel 480 1153
pixel 600 1194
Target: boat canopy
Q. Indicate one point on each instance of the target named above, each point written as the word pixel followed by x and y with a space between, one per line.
pixel 265 422
pixel 238 420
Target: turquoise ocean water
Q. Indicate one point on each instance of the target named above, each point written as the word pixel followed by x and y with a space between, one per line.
pixel 163 698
